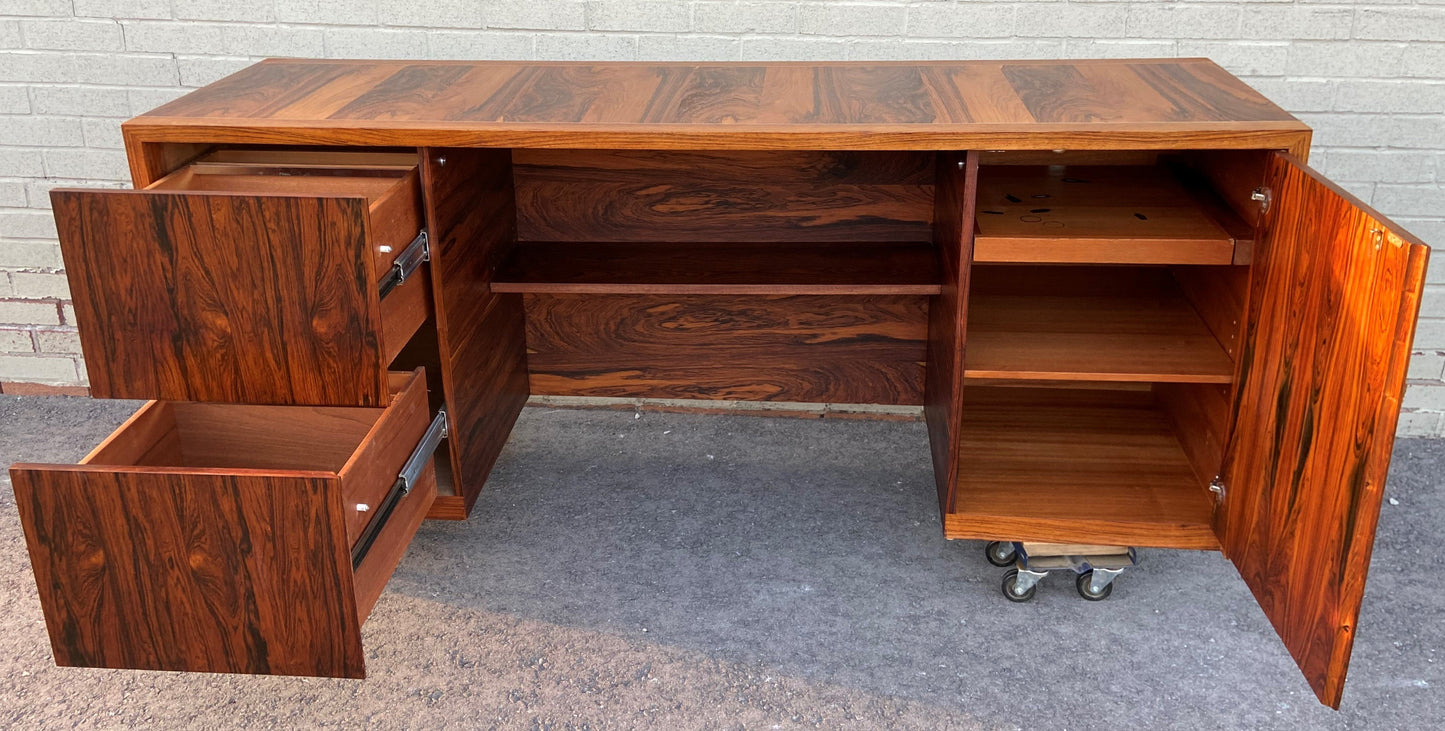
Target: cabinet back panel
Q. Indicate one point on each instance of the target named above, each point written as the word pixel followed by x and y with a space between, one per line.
pixel 603 195
pixel 827 349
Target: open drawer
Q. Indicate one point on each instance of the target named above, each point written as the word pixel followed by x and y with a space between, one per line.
pixel 269 277
pixel 220 538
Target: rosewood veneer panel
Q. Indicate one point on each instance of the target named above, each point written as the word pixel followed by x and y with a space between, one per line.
pixel 234 298
pixel 1138 104
pixel 666 196
pixel 954 204
pixel 853 349
pixel 225 588
pixel 1335 292
pixel 471 217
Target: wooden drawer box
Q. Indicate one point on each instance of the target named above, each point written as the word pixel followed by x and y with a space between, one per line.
pixel 264 278
pixel 224 538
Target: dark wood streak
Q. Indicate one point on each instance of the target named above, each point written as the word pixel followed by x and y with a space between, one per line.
pixel 854 349
pixel 258 299
pixel 711 96
pixel 1058 94
pixel 1334 294
pixel 410 89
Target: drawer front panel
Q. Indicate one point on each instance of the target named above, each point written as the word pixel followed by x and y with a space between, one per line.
pixel 215 297
pixel 223 587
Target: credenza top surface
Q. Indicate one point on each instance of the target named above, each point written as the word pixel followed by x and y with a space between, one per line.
pixel 1093 104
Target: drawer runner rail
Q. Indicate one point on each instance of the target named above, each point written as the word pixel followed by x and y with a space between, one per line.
pixel 411 258
pixel 405 480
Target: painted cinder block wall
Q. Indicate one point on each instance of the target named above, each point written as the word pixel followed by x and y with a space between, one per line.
pixel 1368 76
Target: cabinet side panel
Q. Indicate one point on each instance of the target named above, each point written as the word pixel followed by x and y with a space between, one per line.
pixel 471 215
pixel 956 194
pixel 813 348
pixel 201 573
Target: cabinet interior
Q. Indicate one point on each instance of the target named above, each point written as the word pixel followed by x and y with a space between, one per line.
pixel 1104 301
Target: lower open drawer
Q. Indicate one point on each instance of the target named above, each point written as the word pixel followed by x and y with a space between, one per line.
pixel 230 538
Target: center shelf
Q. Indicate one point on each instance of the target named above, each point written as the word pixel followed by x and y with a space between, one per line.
pixel 854 268
pixel 1075 466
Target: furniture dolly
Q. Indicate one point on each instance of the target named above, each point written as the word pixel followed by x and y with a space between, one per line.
pixel 1131 313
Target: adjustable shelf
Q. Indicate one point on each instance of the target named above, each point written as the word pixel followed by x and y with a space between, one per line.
pixel 1155 339
pixel 1075 466
pixel 720 268
pixel 1121 214
pixel 1088 324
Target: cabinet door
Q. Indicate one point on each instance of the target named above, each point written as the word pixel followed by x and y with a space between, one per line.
pixel 264 299
pixel 1334 293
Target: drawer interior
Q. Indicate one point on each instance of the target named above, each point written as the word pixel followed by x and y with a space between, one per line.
pixel 199 435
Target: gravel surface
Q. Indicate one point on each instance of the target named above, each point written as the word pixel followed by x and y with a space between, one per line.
pixel 702 571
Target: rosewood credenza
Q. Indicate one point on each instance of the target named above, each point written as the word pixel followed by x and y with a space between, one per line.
pixel 1130 312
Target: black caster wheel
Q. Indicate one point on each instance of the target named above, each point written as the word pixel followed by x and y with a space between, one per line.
pixel 1010 587
pixel 1000 553
pixel 1083 583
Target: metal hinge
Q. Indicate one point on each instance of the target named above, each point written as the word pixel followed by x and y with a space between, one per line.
pixel 1216 486
pixel 410 259
pixel 1265 196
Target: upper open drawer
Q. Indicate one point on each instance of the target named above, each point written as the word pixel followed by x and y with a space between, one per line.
pixel 267 279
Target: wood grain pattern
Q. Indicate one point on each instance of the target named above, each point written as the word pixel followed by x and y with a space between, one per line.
pixel 1335 292
pixel 239 298
pixel 993 105
pixel 153 569
pixel 954 205
pixel 471 216
pixel 1074 466
pixel 1094 215
pixel 854 349
pixel 726 268
pixel 623 196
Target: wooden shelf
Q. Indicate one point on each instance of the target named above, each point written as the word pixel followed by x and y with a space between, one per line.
pixel 1075 466
pixel 1150 334
pixel 729 268
pixel 1122 214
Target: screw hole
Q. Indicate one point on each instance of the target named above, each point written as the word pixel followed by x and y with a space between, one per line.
pixel 1040 210
pixel 994 213
pixel 1141 216
pixel 1013 198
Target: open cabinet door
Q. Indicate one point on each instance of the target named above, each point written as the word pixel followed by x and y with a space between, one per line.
pixel 1333 297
